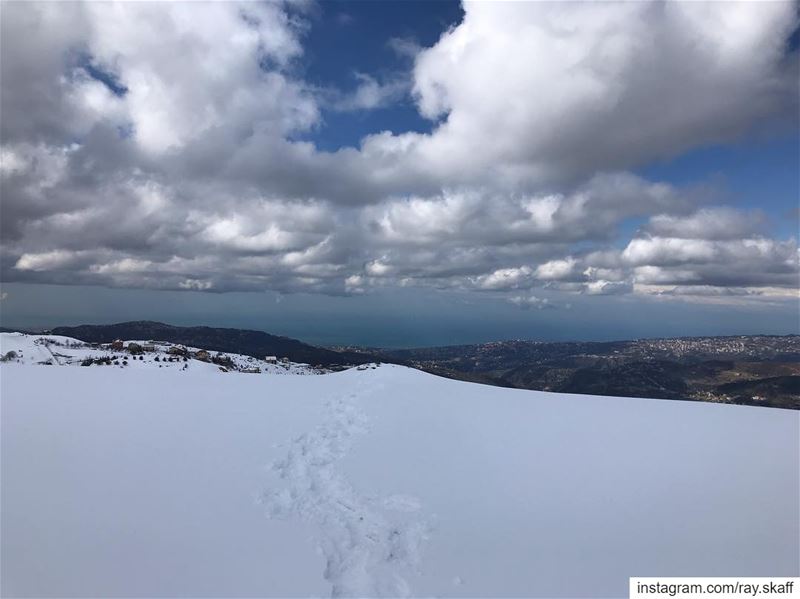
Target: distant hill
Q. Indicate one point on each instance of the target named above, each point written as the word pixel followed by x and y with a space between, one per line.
pixel 242 341
pixel 761 370
pixel 10 330
pixel 769 391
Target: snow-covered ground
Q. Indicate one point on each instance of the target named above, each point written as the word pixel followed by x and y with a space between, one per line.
pixel 55 350
pixel 378 482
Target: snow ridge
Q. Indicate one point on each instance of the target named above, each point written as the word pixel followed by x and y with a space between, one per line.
pixel 370 544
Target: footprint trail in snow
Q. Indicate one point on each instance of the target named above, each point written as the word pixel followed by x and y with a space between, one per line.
pixel 370 544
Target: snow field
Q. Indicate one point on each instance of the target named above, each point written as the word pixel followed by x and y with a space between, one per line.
pixel 378 482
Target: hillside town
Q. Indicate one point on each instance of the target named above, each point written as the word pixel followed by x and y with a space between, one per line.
pixel 761 370
pixel 505 354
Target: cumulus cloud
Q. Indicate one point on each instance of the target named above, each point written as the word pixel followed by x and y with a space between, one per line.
pixel 505 278
pixel 529 302
pixel 185 70
pixel 555 270
pixel 591 210
pixel 718 222
pixel 558 89
pixel 602 287
pixel 700 259
pixel 157 145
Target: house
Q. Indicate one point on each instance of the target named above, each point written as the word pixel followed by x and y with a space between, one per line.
pixel 201 355
pixel 284 360
pixel 271 359
pixel 117 344
pixel 251 370
pixel 179 350
pixel 148 347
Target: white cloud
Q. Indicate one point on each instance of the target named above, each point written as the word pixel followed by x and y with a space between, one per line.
pixel 187 69
pixel 601 287
pixel 371 93
pixel 669 250
pixel 405 47
pixel 378 268
pixel 560 89
pixel 555 270
pixel 506 278
pixel 354 284
pixel 44 261
pixel 195 285
pixel 194 178
pixel 125 265
pixel 720 222
pixel 528 302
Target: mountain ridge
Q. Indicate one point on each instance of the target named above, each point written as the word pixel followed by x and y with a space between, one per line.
pixel 243 341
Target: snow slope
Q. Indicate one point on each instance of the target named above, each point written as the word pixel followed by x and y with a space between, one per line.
pixel 56 350
pixel 378 482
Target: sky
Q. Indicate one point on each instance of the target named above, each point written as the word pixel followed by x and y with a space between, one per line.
pixel 402 173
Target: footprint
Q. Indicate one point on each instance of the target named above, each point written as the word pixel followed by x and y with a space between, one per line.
pixel 368 546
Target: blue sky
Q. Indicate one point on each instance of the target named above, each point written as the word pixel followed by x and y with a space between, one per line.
pixel 402 173
pixel 355 36
pixel 759 174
